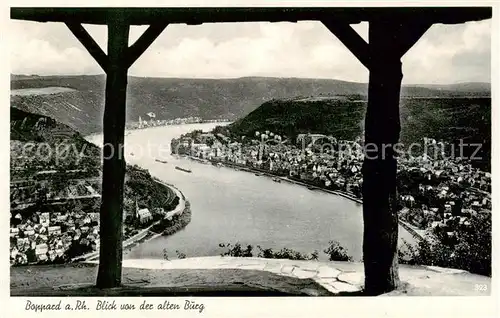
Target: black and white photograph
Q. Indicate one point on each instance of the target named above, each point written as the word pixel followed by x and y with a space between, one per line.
pixel 179 153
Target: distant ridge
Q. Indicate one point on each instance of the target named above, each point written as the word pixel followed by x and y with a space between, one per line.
pixel 471 87
pixel 171 98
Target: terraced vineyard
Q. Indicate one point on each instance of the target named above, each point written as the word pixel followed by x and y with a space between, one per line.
pixel 55 201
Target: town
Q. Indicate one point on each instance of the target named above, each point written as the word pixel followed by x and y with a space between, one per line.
pixel 153 122
pixel 437 195
pixel 66 225
pixel 55 204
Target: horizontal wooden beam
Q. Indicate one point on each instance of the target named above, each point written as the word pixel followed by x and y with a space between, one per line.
pixel 144 41
pixel 351 39
pixel 352 15
pixel 88 42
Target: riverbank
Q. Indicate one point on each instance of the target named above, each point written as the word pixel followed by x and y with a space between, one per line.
pixel 182 210
pixel 269 174
pixel 147 234
pixel 183 220
pixel 418 234
pixel 174 122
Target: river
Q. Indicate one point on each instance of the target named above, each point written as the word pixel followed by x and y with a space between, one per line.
pixel 235 206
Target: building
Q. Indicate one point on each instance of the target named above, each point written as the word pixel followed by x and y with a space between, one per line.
pixel 14 232
pixel 41 252
pixel 144 216
pixel 45 218
pixel 307 139
pixel 94 217
pixel 54 230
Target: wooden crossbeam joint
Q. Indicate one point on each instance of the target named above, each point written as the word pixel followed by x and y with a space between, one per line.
pixel 144 41
pixel 351 39
pixel 409 33
pixel 132 53
pixel 403 33
pixel 399 35
pixel 90 45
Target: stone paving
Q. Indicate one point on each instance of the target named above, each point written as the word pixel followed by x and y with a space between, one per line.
pixel 336 277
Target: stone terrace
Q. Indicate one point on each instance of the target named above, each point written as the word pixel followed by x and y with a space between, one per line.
pixel 216 276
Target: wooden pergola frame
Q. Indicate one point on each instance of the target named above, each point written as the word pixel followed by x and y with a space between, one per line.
pixel 392 32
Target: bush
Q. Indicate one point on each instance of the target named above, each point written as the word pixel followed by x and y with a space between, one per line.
pixel 180 255
pixel 236 250
pixel 286 253
pixel 336 252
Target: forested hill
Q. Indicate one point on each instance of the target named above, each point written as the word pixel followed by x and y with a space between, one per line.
pixel 446 119
pixel 81 107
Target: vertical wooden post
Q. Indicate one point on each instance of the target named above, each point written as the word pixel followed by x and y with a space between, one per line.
pixel 382 128
pixel 111 214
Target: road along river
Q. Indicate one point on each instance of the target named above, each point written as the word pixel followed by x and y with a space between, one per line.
pixel 236 206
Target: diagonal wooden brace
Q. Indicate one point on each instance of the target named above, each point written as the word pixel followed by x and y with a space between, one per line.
pixel 146 39
pixel 88 42
pixel 351 39
pixel 409 33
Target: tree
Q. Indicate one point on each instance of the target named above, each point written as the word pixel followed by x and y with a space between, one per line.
pixel 470 250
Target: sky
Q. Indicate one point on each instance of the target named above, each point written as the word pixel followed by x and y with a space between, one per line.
pixel 445 54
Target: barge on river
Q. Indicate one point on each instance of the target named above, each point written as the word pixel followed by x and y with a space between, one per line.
pixel 182 169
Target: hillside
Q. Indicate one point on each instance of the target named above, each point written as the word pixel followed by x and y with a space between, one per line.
pixel 40 143
pixel 340 117
pixel 172 98
pixel 55 176
pixel 37 130
pixel 447 119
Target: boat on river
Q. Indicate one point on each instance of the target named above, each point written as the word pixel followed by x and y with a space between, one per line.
pixel 201 160
pixel 183 169
pixel 162 161
pixel 277 180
